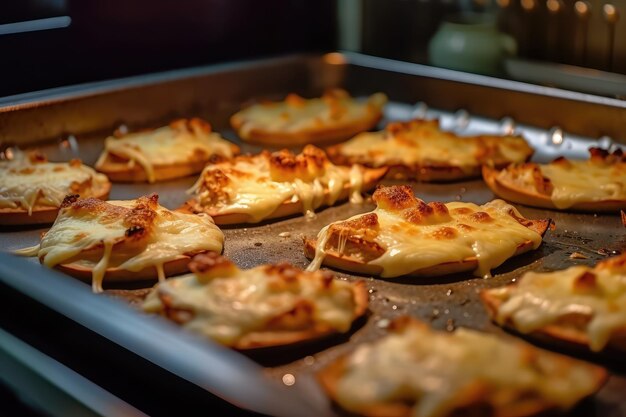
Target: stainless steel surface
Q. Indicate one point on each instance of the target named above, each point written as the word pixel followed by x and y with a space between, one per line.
pixel 446 302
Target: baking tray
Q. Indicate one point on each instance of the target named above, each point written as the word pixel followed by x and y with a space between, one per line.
pixel 72 122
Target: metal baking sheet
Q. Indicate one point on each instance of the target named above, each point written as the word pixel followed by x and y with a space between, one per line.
pixel 445 302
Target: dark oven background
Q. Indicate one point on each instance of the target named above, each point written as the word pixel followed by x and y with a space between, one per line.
pixel 92 40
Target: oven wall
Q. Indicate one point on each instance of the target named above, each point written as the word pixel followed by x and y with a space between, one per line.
pixel 117 38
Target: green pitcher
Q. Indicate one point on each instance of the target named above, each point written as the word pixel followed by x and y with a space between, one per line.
pixel 470 42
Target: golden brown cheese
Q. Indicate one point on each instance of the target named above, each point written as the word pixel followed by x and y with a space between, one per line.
pixel 418 371
pixel 181 142
pixel 265 305
pixel 596 296
pixel 405 234
pixel 128 235
pixel 568 183
pixel 29 180
pixel 429 153
pixel 297 120
pixel 256 186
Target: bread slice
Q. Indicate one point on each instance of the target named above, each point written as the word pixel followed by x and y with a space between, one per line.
pixel 596 185
pixel 580 284
pixel 420 150
pixel 249 189
pixel 362 244
pixel 480 393
pixel 298 121
pixel 180 149
pixel 123 240
pixel 294 295
pixel 33 188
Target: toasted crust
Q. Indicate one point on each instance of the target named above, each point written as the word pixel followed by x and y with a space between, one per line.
pixel 171 268
pixel 122 231
pixel 536 198
pixel 282 166
pixel 288 208
pixel 139 220
pixel 426 171
pixel 358 252
pixel 305 136
pixel 42 214
pixel 280 338
pixel 284 329
pixel 474 399
pixel 420 173
pixel 329 133
pixel 338 260
pixel 260 340
pixel 118 169
pixel 565 332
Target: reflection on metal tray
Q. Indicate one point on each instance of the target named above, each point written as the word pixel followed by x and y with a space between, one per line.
pixel 567 76
pixel 214 93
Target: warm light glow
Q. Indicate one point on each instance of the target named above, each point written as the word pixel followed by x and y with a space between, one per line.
pixel 557 136
pixel 528 4
pixel 503 3
pixel 610 13
pixel 581 7
pixel 554 5
pixel 289 379
pixel 334 58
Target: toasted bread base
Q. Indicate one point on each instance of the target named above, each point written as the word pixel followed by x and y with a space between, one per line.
pixel 41 214
pixel 329 378
pixel 560 334
pixel 474 400
pixel 288 208
pixel 305 136
pixel 534 199
pixel 420 173
pixel 118 170
pixel 338 260
pixel 258 340
pixel 175 267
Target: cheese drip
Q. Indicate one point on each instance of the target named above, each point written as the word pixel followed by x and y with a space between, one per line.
pixel 227 309
pixel 410 247
pixel 432 370
pixel 251 190
pixel 96 243
pixel 165 146
pixel 26 184
pixel 299 114
pixel 542 299
pixel 426 145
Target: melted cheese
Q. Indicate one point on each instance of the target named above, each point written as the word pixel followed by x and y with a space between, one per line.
pixel 410 247
pixel 585 181
pixel 252 191
pixel 227 308
pixel 574 182
pixel 172 235
pixel 24 184
pixel 542 299
pixel 165 146
pixel 432 370
pixel 297 114
pixel 425 145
